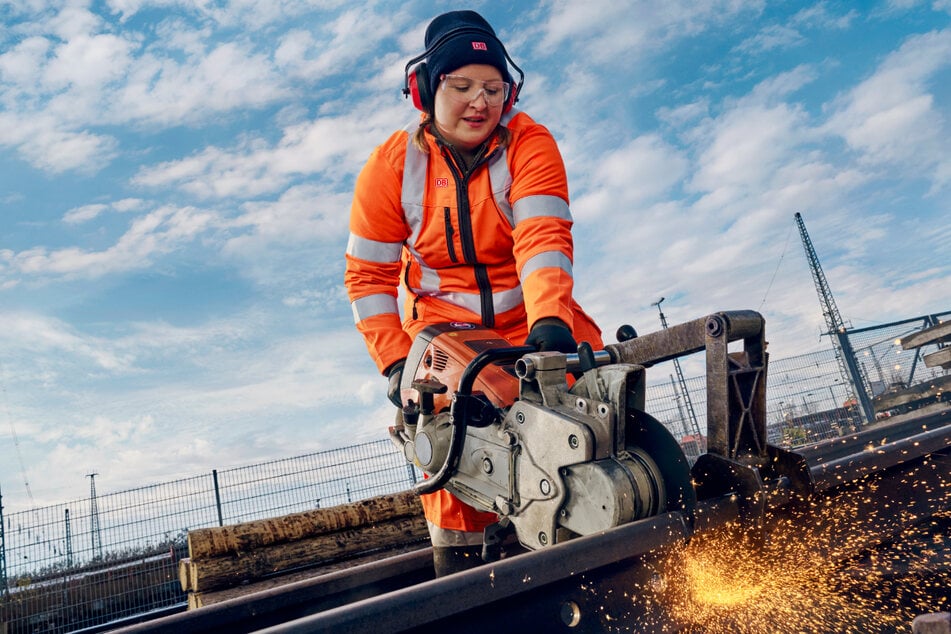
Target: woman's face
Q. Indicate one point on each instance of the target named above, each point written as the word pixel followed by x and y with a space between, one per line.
pixel 467 124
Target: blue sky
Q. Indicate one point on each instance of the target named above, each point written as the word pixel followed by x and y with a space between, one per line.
pixel 175 180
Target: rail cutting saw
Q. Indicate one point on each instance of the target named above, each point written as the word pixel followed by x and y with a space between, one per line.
pixel 559 445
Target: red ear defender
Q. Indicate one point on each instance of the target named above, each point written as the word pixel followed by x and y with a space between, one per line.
pixel 417 87
pixel 513 97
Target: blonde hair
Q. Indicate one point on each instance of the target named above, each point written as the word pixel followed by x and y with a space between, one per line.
pixel 419 137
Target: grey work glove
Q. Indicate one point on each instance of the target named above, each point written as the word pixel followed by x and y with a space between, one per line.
pixel 551 335
pixel 395 376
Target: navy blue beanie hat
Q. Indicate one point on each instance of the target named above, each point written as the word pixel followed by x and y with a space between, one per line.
pixel 477 44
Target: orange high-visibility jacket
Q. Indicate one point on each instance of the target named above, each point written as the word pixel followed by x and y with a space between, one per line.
pixel 490 245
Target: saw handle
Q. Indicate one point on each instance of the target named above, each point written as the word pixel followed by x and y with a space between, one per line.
pixel 457 412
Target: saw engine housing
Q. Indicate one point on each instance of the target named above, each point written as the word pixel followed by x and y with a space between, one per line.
pixel 499 427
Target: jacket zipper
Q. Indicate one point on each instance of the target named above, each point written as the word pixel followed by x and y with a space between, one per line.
pixel 409 263
pixel 466 236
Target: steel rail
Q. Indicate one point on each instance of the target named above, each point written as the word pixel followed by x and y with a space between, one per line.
pixel 880 457
pixel 441 598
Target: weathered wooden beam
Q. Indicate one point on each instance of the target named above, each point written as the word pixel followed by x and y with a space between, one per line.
pixel 927 392
pixel 935 334
pixel 203 599
pixel 940 358
pixel 236 539
pixel 184 572
pixel 230 570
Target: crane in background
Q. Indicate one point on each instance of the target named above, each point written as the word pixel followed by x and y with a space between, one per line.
pixel 852 375
pixel 692 415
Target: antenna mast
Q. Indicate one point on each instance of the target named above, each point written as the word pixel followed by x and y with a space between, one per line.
pixel 854 379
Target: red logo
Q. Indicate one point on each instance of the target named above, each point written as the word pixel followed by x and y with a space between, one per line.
pixel 442 182
pixel 479 46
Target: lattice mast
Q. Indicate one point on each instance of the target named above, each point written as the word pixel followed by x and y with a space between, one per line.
pixel 852 375
pixel 94 529
pixel 688 403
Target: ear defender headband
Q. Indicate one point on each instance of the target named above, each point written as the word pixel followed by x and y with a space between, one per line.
pixel 416 81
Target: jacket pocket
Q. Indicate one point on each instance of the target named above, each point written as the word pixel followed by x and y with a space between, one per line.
pixel 450 232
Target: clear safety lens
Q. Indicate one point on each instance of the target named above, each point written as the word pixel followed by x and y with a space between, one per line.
pixel 466 90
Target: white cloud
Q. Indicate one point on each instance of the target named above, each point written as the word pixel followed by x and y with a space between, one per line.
pixel 774 36
pixel 158 232
pixel 72 76
pixel 332 146
pixel 49 338
pixel 48 145
pixel 88 62
pixel 313 54
pixel 110 434
pixel 128 204
pixel 892 119
pixel 224 78
pixel 819 16
pixel 249 14
pixel 631 177
pixel 19 65
pixel 85 213
pixel 293 246
pixel 304 213
pixel 782 85
pixel 744 148
pixel 602 31
pixel 77 73
pixel 684 115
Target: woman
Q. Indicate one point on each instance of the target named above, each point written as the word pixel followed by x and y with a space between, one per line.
pixel 468 208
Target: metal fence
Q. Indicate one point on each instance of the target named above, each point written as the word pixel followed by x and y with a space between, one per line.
pixel 91 562
pixel 885 364
pixel 101 559
pixel 807 398
pixel 804 404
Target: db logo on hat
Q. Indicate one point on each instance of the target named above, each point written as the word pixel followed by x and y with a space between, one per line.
pixel 479 46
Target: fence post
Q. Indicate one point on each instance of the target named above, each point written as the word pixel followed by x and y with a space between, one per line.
pixel 214 475
pixel 69 540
